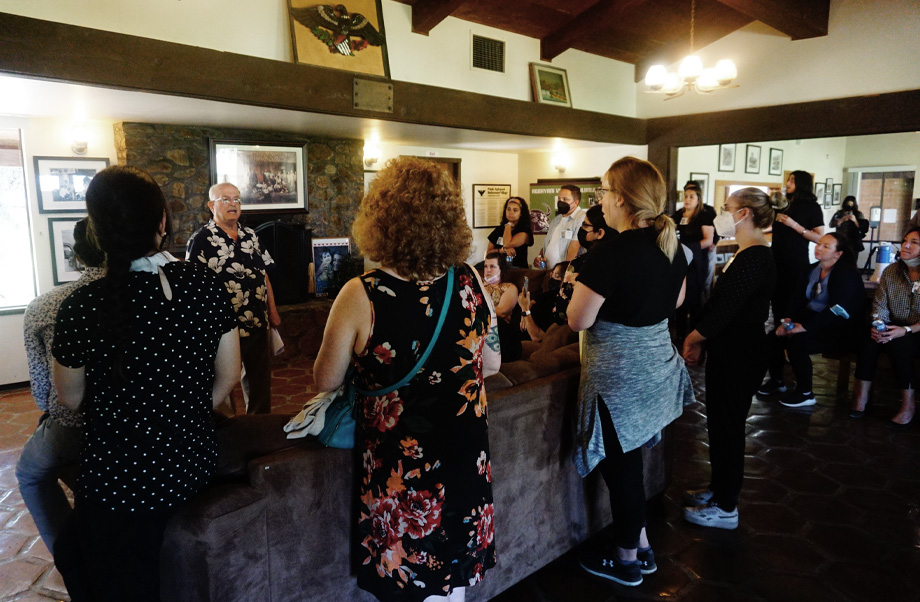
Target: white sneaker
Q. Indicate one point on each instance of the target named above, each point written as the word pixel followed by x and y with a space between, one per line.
pixel 710 515
pixel 697 497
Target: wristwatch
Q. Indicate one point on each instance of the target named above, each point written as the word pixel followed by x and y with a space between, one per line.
pixel 525 313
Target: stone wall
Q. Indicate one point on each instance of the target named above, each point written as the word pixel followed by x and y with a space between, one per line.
pixel 177 157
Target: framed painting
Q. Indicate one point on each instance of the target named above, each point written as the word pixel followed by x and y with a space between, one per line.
pixel 752 159
pixel 828 199
pixel 776 162
pixel 703 180
pixel 349 36
pixel 330 265
pixel 819 191
pixel 271 176
pixel 838 192
pixel 63 263
pixel 727 157
pixel 550 85
pixel 61 182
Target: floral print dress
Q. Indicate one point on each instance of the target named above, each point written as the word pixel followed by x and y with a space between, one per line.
pixel 425 509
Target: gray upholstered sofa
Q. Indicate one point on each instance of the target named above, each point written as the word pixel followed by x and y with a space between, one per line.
pixel 276 525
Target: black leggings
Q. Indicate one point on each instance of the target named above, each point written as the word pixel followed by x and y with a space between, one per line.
pixel 623 474
pixel 901 353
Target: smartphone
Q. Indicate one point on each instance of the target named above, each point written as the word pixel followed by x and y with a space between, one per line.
pixel 839 311
pixel 526 284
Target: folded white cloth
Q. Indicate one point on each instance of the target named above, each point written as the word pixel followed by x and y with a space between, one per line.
pixel 312 417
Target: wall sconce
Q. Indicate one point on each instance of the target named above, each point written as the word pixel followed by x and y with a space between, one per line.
pixel 371 155
pixel 80 141
pixel 560 161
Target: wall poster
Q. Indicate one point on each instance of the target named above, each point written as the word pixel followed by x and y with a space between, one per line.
pixel 488 203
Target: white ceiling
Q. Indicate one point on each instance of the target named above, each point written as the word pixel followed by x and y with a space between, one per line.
pixel 22 97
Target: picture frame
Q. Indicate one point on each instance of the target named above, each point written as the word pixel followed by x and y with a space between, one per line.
pixel 271 176
pixel 752 159
pixel 776 162
pixel 703 180
pixel 727 157
pixel 60 233
pixel 828 184
pixel 838 193
pixel 331 257
pixel 314 29
pixel 60 182
pixel 828 199
pixel 819 191
pixel 550 85
pixel 489 203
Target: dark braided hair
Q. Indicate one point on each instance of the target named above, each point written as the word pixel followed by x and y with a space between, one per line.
pixel 126 208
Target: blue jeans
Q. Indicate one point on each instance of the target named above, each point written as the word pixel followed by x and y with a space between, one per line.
pixel 51 448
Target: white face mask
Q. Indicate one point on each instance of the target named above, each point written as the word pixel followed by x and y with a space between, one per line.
pixel 725 223
pixel 494 279
pixel 915 262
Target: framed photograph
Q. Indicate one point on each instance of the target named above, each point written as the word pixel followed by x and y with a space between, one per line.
pixel 61 182
pixel 488 203
pixel 727 157
pixel 550 85
pixel 331 257
pixel 63 262
pixel 828 199
pixel 271 177
pixel 819 191
pixel 838 193
pixel 703 180
pixel 752 159
pixel 776 162
pixel 829 184
pixel 350 37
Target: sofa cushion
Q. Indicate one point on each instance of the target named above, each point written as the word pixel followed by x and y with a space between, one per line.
pixel 242 438
pixel 557 335
pixel 497 382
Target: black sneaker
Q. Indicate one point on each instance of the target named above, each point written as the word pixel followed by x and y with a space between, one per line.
pixel 795 399
pixel 771 387
pixel 607 565
pixel 646 558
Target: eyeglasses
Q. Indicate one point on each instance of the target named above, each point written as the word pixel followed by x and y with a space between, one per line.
pixel 228 201
pixel 587 227
pixel 600 193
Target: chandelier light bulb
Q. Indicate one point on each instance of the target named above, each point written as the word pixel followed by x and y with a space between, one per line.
pixel 726 72
pixel 708 81
pixel 690 68
pixel 672 84
pixel 656 76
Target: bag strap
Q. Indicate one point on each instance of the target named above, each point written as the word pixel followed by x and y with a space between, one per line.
pixel 421 361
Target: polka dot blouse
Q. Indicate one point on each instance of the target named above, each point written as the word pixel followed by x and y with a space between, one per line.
pixel 149 443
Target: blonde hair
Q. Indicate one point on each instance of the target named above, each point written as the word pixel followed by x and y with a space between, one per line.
pixel 640 185
pixel 763 208
pixel 413 220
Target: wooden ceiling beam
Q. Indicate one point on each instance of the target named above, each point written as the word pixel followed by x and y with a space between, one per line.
pixel 590 22
pixel 798 19
pixel 426 14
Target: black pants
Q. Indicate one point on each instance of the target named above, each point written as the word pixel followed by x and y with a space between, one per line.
pixel 733 374
pixel 799 347
pixel 901 353
pixel 623 474
pixel 109 556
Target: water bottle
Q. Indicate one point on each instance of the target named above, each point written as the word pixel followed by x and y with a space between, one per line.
pixel 787 324
pixel 542 264
pixel 878 323
pixel 509 259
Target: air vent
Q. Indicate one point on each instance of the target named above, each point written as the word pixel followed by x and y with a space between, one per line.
pixel 488 54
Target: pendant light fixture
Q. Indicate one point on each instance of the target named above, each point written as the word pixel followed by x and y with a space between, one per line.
pixel 691 75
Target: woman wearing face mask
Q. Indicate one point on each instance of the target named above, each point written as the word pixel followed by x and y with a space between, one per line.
pixel 815 323
pixel 694 223
pixel 504 297
pixel 897 304
pixel 850 222
pixel 732 327
pixel 633 382
pixel 801 222
pixel 514 233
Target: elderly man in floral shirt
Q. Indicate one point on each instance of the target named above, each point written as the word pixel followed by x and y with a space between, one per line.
pixel 233 251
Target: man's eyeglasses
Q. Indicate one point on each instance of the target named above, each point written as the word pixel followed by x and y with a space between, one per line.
pixel 228 201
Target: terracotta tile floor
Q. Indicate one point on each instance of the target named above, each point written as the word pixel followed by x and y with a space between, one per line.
pixel 830 510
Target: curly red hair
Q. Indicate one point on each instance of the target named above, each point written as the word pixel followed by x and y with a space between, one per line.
pixel 412 220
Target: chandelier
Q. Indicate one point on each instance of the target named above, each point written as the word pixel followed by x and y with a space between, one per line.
pixel 691 75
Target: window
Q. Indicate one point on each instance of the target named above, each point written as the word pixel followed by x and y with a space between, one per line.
pixel 17 287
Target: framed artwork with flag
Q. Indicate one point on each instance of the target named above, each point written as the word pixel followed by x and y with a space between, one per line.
pixel 346 36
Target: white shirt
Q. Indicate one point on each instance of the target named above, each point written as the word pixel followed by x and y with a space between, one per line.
pixel 561 232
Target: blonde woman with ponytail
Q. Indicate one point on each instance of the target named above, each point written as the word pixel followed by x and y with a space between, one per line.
pixel 633 381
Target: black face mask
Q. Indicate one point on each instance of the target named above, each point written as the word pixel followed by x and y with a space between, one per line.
pixel 583 238
pixel 562 207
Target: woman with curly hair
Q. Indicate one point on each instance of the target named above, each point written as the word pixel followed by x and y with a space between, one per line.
pixel 514 233
pixel 633 382
pixel 147 351
pixel 425 528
